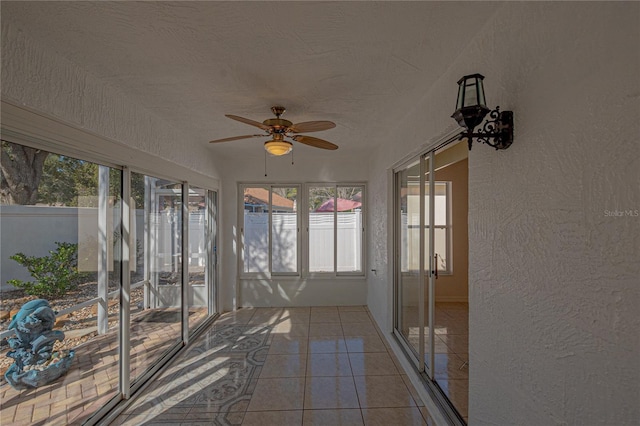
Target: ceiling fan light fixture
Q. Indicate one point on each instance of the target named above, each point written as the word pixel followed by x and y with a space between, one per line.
pixel 278 147
pixel 277 128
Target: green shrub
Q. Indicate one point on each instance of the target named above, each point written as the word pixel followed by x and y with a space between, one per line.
pixel 54 275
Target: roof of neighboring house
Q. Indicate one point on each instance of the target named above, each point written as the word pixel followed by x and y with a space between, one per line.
pixel 261 196
pixel 343 205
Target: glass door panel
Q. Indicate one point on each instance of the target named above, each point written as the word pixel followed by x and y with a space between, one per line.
pixel 451 316
pixel 212 251
pixel 64 249
pixel 436 337
pixel 198 262
pixel 156 288
pixel 408 271
pixel 429 265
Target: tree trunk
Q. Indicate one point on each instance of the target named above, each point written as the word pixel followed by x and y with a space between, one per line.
pixel 21 168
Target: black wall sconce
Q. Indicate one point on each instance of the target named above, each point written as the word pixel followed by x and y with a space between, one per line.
pixel 471 110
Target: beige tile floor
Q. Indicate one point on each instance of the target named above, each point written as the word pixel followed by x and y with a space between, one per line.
pixel 279 366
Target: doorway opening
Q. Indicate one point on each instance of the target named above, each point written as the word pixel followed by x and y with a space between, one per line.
pixel 431 310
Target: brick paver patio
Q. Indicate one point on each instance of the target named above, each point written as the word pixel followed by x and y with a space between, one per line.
pixel 93 377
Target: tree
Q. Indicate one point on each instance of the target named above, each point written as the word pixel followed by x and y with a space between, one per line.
pixel 21 168
pixel 286 192
pixel 320 194
pixel 65 178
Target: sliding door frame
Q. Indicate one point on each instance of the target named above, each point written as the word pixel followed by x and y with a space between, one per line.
pixel 427 236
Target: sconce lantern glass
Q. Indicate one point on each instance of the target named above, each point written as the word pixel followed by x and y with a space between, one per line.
pixel 278 147
pixel 471 109
pixel 471 106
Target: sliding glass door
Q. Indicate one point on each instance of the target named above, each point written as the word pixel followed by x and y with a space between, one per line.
pixel 202 255
pixel 434 335
pixel 130 274
pixel 416 269
pixel 408 286
pixel 156 271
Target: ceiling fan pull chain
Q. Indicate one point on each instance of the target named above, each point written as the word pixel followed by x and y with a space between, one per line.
pixel 292 157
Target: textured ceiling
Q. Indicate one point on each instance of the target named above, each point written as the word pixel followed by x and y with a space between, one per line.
pixel 359 64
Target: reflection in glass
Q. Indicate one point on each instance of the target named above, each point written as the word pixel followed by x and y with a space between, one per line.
pixel 199 236
pixel 409 250
pixel 156 270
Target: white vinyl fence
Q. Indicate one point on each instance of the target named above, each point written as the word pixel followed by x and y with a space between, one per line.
pixel 33 230
pixel 321 242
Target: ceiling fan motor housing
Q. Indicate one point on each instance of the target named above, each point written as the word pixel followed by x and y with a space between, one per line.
pixel 279 125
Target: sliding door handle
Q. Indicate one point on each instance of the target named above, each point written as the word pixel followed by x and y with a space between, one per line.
pixel 435 264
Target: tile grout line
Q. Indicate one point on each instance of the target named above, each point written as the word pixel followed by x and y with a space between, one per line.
pixel 353 378
pixel 306 366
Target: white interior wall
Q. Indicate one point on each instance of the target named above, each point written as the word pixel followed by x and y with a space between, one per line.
pixel 553 273
pixel 324 167
pixel 46 96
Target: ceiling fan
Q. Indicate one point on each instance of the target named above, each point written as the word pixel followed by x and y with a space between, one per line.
pixel 279 128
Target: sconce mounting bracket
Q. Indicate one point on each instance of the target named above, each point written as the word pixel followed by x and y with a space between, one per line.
pixel 497 132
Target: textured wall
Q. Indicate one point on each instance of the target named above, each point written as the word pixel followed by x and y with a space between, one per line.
pixel 553 272
pixel 40 80
pixel 553 279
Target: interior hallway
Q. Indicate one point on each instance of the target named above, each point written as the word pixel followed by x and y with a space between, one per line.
pixel 283 366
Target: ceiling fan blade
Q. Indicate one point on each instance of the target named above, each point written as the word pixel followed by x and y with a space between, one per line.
pixel 250 122
pixel 312 126
pixel 315 142
pixel 235 138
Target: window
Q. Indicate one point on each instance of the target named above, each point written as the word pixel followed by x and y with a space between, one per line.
pixel 271 225
pixel 410 218
pixel 335 228
pixel 442 225
pixel 322 251
pixel 270 229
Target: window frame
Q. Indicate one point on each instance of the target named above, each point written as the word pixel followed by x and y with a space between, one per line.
pixel 269 273
pixel 335 273
pixel 302 239
pixel 448 227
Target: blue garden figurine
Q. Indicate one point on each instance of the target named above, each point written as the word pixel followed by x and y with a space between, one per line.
pixel 36 363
